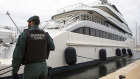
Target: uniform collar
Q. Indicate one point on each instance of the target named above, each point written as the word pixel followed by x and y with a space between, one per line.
pixel 34 27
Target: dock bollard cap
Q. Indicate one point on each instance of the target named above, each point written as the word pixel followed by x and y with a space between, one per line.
pixel 122 77
pixel 33 18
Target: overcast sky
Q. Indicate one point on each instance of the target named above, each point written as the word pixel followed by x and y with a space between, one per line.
pixel 21 10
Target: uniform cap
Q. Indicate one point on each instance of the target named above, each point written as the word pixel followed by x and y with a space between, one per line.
pixel 33 18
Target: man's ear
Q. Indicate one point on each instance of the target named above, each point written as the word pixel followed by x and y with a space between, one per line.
pixel 31 23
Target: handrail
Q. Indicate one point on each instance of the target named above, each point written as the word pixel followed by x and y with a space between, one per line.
pixel 88 17
pixel 79 17
pixel 57 24
pixel 71 7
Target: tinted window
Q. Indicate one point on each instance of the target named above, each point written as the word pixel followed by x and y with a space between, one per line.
pixel 92 32
pixel 109 36
pixel 122 39
pixel 78 30
pixel 97 33
pixel 105 35
pixel 101 33
pixel 86 30
pixel 113 37
pixel 118 38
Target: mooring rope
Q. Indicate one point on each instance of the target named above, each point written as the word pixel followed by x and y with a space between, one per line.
pixel 5 68
pixel 83 57
pixel 5 72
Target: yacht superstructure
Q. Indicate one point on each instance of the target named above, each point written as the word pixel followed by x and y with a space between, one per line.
pixel 84 33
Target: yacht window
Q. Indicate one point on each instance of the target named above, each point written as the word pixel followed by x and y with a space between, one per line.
pixel 78 30
pixel 86 30
pixel 124 39
pixel 101 33
pixel 115 37
pixel 92 32
pixel 97 33
pixel 118 38
pixel 104 34
pixel 107 35
pixel 121 38
pixel 112 36
pixel 81 30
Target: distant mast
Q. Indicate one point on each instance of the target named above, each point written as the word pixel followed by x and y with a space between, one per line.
pixel 104 1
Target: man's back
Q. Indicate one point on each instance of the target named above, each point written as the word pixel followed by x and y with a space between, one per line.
pixel 33 69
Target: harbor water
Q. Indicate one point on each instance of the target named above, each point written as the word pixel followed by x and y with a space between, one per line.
pixel 100 70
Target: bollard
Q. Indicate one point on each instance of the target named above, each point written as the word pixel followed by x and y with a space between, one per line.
pixel 122 77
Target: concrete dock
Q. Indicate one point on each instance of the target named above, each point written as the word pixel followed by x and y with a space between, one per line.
pixel 131 71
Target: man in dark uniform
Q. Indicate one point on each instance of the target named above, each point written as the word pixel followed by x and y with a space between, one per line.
pixel 32 50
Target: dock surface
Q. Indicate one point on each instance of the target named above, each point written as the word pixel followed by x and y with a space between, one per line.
pixel 131 71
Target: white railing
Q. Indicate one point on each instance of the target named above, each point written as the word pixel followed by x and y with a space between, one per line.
pixel 87 17
pixel 50 25
pixel 72 7
pixel 81 17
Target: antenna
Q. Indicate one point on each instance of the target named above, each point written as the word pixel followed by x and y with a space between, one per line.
pixel 13 21
pixel 139 38
pixel 104 1
pixel 136 36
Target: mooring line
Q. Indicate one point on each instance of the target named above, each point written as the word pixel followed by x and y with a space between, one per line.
pixel 5 68
pixel 84 57
pixel 5 72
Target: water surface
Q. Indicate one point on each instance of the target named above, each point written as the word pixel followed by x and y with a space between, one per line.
pixel 100 70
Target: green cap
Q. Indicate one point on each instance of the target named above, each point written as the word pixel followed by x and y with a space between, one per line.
pixel 33 18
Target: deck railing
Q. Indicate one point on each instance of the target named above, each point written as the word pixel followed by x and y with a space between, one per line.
pixel 81 17
pixel 87 17
pixel 71 7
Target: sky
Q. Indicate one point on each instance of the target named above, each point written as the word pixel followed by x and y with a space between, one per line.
pixel 21 10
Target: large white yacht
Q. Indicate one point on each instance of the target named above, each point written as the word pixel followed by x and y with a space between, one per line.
pixel 82 33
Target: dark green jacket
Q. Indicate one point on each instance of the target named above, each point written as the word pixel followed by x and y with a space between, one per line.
pixel 19 50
